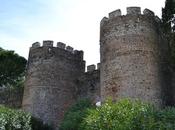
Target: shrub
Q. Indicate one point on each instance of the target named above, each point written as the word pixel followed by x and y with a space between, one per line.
pixel 19 120
pixel 14 119
pixel 125 114
pixel 129 115
pixel 75 115
pixel 118 116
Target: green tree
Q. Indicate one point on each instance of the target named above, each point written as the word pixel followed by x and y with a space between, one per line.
pixel 12 67
pixel 168 24
pixel 168 16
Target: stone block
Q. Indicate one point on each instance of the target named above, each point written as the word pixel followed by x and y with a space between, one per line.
pixel 70 49
pixel 115 13
pixel 90 68
pixel 61 45
pixel 133 10
pixel 148 12
pixel 36 45
pixel 48 43
pixel 104 20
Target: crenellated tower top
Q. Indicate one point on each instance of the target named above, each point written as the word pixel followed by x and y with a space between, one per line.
pixel 60 45
pixel 132 52
pixel 131 11
pixel 48 50
pixel 50 87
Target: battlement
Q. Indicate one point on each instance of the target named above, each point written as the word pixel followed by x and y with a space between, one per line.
pixel 115 13
pixel 148 12
pixel 47 49
pixel 91 68
pixel 131 11
pixel 61 45
pixel 36 45
pixel 49 43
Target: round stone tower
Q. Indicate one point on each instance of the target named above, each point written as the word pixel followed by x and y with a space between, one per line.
pixel 132 53
pixel 50 86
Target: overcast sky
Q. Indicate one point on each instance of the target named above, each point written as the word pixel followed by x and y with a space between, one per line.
pixel 74 22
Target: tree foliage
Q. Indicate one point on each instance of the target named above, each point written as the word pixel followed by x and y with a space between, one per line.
pixel 168 24
pixel 12 67
pixel 168 16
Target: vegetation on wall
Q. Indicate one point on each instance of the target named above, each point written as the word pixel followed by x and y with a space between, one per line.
pixel 12 68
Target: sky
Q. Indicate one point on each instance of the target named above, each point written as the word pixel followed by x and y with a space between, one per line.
pixel 74 22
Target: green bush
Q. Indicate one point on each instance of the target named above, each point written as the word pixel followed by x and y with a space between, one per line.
pixel 122 115
pixel 75 115
pixel 18 120
pixel 14 119
pixel 128 115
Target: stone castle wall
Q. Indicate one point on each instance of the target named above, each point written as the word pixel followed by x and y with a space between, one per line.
pixel 50 87
pixel 89 84
pixel 132 56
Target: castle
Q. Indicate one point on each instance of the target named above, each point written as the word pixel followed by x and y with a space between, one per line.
pixel 133 63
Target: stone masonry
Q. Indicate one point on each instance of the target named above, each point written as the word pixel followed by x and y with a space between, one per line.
pixel 54 78
pixel 132 52
pixel 133 60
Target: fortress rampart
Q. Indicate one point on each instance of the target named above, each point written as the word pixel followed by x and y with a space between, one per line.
pixel 56 79
pixel 50 80
pixel 133 64
pixel 89 84
pixel 132 52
